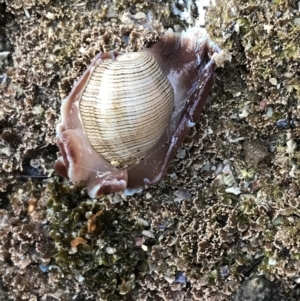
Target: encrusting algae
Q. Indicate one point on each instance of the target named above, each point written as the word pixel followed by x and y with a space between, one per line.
pixel 95 244
pixel 220 215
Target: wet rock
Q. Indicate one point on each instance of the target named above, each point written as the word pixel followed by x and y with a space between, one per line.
pixel 254 152
pixel 258 289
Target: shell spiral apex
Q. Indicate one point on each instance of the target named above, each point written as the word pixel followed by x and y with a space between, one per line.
pixel 125 107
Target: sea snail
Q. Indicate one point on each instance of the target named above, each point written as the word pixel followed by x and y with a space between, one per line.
pixel 129 113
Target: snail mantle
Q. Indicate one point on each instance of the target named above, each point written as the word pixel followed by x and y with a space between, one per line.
pixel 129 113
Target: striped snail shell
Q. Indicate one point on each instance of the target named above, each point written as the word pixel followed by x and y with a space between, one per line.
pixel 126 107
pixel 129 113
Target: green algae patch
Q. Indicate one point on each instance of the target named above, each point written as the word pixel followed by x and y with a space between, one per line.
pixel 95 244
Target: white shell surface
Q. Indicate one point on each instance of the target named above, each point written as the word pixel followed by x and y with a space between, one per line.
pixel 125 107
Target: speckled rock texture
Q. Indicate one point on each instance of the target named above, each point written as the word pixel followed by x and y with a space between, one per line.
pixel 231 195
pixel 258 289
